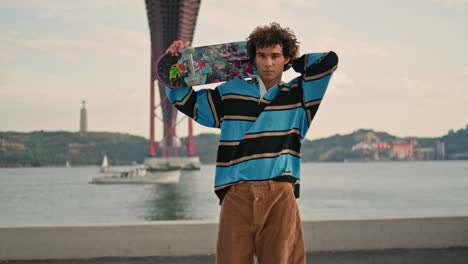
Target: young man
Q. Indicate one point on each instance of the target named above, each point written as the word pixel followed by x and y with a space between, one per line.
pixel 262 124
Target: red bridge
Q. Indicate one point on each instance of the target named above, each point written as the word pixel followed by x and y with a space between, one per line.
pixel 168 20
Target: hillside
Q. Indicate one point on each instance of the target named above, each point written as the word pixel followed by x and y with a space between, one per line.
pixel 42 148
pixel 340 147
pixel 456 143
pixel 359 146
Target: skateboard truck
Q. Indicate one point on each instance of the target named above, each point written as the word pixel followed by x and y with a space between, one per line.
pixel 190 51
pixel 194 78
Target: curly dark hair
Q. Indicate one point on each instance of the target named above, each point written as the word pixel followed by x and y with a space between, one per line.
pixel 271 35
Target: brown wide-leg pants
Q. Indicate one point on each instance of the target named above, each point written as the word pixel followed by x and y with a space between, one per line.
pixel 260 218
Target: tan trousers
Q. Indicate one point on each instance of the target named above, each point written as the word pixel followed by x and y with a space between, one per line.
pixel 260 218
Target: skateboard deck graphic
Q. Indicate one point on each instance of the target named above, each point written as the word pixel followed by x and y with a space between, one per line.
pixel 204 65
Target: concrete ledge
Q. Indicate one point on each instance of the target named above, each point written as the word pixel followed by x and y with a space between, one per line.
pixel 394 233
pixel 184 238
pixel 170 238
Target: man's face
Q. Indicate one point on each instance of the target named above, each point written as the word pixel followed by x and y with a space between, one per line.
pixel 270 62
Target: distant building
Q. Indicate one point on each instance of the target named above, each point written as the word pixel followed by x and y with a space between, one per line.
pixel 440 150
pixel 424 154
pixel 380 148
pixel 361 145
pixel 83 121
pixel 403 151
pixel 14 145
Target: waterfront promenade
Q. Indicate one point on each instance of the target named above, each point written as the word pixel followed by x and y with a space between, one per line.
pixel 382 240
pixel 394 256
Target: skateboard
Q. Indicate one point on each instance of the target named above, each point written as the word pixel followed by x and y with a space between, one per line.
pixel 204 65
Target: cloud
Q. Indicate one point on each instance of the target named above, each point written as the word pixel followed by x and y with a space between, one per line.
pixel 6 56
pixel 103 39
pixel 411 84
pixel 70 12
pixel 415 90
pixel 18 43
pixel 352 46
pixel 138 38
pixel 63 5
pixel 37 4
pixel 464 71
pixel 341 83
pixel 260 4
pixel 298 3
pixel 451 2
pixel 247 14
pixel 373 48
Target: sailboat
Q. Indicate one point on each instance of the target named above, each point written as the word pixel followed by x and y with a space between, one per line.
pixel 105 164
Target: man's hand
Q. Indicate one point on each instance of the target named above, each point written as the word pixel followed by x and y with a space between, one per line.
pixel 176 46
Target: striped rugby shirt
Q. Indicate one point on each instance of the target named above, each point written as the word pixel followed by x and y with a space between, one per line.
pixel 260 137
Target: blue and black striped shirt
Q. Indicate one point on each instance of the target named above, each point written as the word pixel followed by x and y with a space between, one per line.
pixel 260 137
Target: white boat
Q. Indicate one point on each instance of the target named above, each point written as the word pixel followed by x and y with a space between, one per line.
pixel 140 175
pixel 67 164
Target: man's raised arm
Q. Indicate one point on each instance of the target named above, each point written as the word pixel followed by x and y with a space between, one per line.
pixel 203 106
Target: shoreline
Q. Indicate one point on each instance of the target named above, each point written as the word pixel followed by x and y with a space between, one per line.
pixel 214 164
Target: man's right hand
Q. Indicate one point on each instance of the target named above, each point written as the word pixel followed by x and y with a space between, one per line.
pixel 176 46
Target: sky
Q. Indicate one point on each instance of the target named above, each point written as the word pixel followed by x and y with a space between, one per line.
pixel 403 64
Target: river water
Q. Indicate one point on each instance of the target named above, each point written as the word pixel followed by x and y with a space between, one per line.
pixel 50 196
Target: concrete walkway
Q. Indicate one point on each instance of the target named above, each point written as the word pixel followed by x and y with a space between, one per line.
pixel 458 255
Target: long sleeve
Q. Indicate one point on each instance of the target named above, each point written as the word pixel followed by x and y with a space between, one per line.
pixel 316 71
pixel 203 106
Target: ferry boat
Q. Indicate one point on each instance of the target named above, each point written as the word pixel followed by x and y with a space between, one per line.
pixel 138 174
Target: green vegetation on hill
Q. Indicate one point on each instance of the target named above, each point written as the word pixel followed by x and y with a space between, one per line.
pixel 41 148
pixel 456 143
pixel 339 147
pixel 206 146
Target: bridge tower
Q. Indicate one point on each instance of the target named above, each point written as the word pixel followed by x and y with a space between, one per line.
pixel 169 20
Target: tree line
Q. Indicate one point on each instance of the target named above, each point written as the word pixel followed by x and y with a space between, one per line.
pixel 41 148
